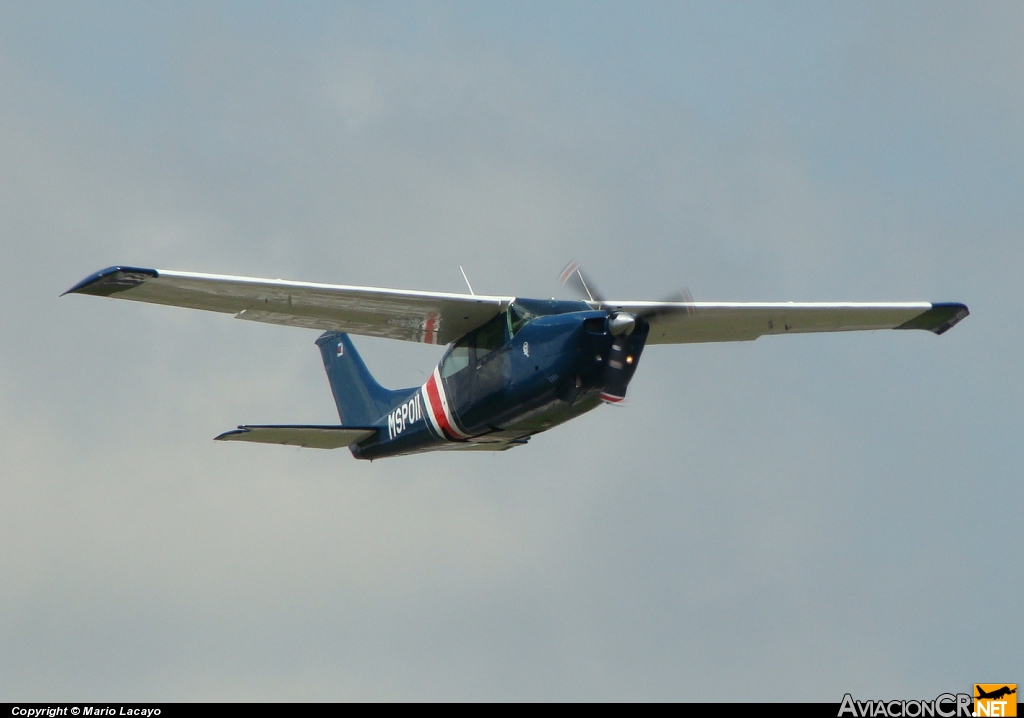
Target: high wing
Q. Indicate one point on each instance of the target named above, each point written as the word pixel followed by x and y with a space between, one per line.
pixel 426 317
pixel 686 322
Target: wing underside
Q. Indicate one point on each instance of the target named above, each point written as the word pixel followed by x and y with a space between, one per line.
pixel 681 323
pixel 425 317
pixel 437 318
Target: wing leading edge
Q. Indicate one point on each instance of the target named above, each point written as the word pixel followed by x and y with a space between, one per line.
pixel 425 317
pixel 688 322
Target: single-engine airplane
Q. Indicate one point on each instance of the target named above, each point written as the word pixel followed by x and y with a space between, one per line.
pixel 515 367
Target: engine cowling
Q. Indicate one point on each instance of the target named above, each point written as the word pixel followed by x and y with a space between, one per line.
pixel 623 355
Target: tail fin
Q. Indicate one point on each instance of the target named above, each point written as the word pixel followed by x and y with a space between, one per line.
pixel 360 399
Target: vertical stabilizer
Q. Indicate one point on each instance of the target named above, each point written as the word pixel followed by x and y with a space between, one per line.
pixel 360 399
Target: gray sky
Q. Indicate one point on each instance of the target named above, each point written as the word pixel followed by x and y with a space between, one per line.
pixel 792 518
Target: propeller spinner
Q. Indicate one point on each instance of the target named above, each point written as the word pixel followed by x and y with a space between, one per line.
pixel 621 324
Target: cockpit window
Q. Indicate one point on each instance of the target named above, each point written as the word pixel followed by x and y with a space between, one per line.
pixel 474 346
pixel 457 358
pixel 490 336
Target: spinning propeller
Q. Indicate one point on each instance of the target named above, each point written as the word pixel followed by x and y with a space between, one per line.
pixel 620 323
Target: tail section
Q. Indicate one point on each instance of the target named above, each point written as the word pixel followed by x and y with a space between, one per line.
pixel 360 399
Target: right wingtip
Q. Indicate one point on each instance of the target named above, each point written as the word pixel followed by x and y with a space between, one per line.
pixel 959 312
pixel 942 317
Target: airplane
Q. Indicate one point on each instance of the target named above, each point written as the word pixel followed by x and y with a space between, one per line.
pixel 514 367
pixel 996 694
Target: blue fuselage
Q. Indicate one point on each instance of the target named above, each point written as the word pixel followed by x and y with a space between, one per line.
pixel 524 372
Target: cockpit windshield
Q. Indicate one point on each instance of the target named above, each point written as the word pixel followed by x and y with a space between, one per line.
pixel 518 317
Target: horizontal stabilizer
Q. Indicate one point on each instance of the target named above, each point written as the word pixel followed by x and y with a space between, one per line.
pixel 310 437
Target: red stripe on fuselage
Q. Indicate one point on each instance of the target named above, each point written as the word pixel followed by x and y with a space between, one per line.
pixel 431 422
pixel 437 408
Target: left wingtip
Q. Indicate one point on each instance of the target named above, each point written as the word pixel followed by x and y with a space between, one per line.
pixel 112 280
pixel 232 435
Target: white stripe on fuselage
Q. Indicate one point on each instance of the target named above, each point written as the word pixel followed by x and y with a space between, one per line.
pixel 438 411
pixel 430 412
pixel 444 405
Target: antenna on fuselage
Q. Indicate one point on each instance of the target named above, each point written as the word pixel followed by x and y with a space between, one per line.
pixel 467 280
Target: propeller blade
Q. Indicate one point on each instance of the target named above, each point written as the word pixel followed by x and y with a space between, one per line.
pixel 681 296
pixel 585 288
pixel 572 276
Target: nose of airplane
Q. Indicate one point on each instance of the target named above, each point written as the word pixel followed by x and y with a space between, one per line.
pixel 621 324
pixel 622 355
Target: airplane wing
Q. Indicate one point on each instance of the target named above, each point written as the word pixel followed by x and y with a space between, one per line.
pixel 310 437
pixel 686 322
pixel 426 317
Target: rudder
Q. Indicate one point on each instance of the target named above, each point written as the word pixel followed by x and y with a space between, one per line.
pixel 361 401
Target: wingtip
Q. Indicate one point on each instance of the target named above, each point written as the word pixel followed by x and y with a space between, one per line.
pixel 112 280
pixel 942 317
pixel 959 313
pixel 229 435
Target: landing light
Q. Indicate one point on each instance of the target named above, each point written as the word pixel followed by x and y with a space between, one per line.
pixel 629 359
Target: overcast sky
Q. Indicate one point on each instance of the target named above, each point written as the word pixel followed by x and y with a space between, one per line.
pixel 787 519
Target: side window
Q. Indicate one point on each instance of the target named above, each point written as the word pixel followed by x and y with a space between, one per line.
pixel 490 336
pixel 475 346
pixel 457 359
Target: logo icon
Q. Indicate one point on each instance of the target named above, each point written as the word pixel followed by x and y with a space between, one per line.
pixel 526 348
pixel 995 699
pixel 341 348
